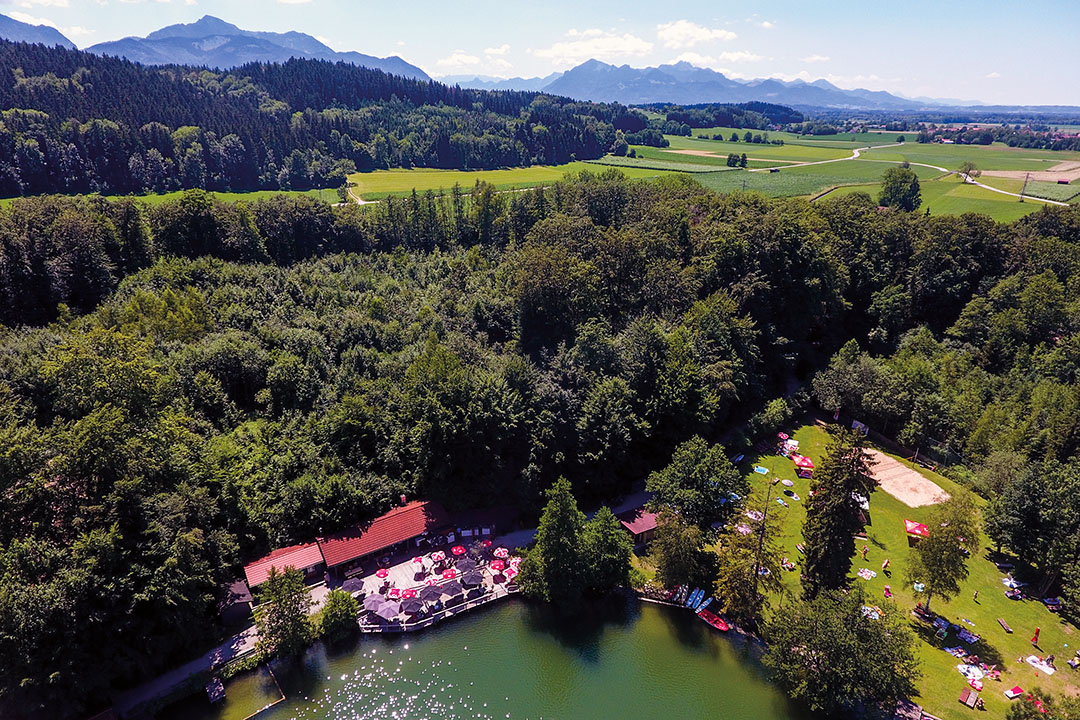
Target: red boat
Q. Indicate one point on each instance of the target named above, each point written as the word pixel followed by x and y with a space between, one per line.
pixel 715 620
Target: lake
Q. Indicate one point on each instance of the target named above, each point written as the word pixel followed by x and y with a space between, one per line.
pixel 518 660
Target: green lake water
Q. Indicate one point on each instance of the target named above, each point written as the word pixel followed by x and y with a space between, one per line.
pixel 518 660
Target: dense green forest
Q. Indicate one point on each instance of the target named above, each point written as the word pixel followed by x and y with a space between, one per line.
pixel 184 387
pixel 76 122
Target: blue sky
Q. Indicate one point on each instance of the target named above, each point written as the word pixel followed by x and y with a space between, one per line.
pixel 987 50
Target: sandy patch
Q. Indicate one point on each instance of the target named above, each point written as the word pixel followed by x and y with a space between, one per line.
pixel 1068 170
pixel 906 485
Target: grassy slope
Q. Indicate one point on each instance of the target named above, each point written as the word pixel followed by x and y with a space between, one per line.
pixel 949 197
pixel 941 684
pixel 380 183
pixel 990 157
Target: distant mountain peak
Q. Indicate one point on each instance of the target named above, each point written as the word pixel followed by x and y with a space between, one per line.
pixel 16 31
pixel 213 42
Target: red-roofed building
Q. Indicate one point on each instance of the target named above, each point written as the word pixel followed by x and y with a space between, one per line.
pixel 640 523
pixel 383 534
pixel 306 558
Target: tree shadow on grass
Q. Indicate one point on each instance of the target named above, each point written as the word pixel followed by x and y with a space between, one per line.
pixel 988 654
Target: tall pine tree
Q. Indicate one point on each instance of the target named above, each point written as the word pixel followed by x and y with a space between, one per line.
pixel 833 514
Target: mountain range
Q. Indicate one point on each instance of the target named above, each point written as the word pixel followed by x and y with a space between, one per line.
pixel 687 84
pixel 212 42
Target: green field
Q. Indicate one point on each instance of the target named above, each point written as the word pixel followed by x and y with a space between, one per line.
pixel 986 157
pixel 329 196
pixel 949 196
pixel 381 183
pixel 941 684
pixel 1035 188
pixel 806 179
pixel 797 153
pixel 842 140
pixel 650 163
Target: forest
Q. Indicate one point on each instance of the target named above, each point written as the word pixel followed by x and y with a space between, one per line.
pixel 184 387
pixel 74 122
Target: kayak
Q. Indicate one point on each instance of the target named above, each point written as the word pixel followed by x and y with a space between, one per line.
pixel 691 597
pixel 715 620
pixel 697 601
pixel 704 605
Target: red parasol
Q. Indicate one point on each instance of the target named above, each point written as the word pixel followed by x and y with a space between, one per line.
pixel 418 560
pixel 431 581
pixel 782 436
pixel 409 593
pixel 381 573
pixel 394 592
pixel 511 572
pixel 802 461
pixel 458 549
pixel 438 556
pixel 449 573
pixel 497 565
pixel 501 552
pixel 914 528
pixel 485 544
pixel 515 561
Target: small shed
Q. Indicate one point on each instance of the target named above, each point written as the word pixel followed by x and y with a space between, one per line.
pixel 640 523
pixel 235 607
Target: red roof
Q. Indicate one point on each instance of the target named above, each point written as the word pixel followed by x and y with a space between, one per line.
pixel 399 524
pixel 294 556
pixel 637 520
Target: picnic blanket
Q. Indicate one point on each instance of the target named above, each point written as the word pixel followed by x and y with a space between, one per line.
pixel 971 672
pixel 761 470
pixel 957 651
pixel 1010 583
pixel 1035 662
pixel 867 574
pixel 967 636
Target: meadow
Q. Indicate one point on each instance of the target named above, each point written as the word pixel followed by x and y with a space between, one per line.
pixel 1035 188
pixel 941 684
pixel 986 157
pixel 948 196
pixel 841 140
pixel 381 183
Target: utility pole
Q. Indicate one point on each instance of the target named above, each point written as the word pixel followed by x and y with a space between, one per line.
pixel 1023 190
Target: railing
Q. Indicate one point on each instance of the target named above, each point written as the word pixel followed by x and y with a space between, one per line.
pixel 441 615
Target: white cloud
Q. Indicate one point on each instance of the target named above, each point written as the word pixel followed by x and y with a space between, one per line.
pixel 77 31
pixel 815 59
pixel 457 60
pixel 593 43
pixel 993 76
pixel 713 61
pixel 32 20
pixel 684 34
pixel 501 50
pixel 47 3
pixel 767 25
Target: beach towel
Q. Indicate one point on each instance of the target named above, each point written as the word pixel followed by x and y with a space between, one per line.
pixel 781 501
pixel 761 470
pixel 1013 693
pixel 971 672
pixel 967 636
pixel 957 652
pixel 867 574
pixel 1038 664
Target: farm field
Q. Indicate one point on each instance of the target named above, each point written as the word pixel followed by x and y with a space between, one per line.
pixel 1035 188
pixel 941 684
pixel 674 164
pixel 986 157
pixel 949 196
pixel 852 140
pixel 797 153
pixel 807 179
pixel 381 183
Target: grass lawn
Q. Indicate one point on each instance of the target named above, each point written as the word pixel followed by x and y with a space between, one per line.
pixel 673 165
pixel 841 140
pixel 941 684
pixel 380 183
pixel 329 196
pixel 986 157
pixel 797 153
pixel 950 197
pixel 807 179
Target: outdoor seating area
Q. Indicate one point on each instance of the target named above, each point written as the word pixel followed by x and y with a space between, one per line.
pixel 413 588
